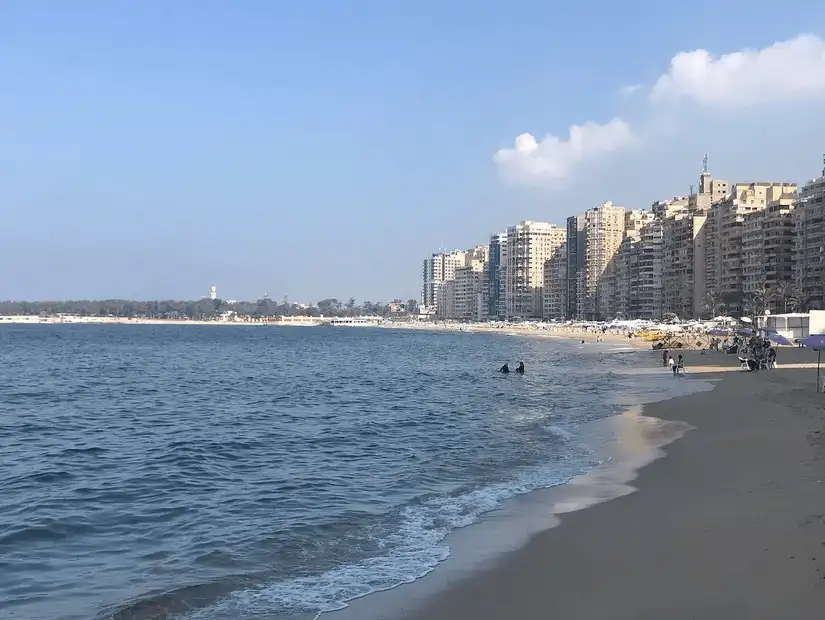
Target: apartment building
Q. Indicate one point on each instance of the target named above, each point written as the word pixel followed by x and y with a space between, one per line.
pixel 683 263
pixel 529 246
pixel 555 288
pixel 633 289
pixel 809 246
pixel 603 232
pixel 574 258
pixel 768 249
pixel 496 271
pixel 646 283
pixel 616 293
pixel 439 268
pixel 724 256
pixel 445 308
pixel 468 287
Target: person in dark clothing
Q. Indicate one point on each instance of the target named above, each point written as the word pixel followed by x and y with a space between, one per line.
pixel 664 358
pixel 520 368
pixel 505 369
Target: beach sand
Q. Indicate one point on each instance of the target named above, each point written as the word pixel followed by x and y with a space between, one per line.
pixel 730 524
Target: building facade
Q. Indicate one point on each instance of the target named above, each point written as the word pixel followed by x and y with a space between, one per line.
pixel 683 263
pixel 555 286
pixel 494 291
pixel 603 234
pixel 768 250
pixel 469 281
pixel 574 257
pixel 809 243
pixel 724 256
pixel 529 246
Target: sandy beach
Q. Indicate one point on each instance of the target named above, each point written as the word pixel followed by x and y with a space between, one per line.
pixel 730 524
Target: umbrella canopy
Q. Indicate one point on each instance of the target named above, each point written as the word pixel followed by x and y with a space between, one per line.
pixel 717 332
pixel 779 339
pixel 814 341
pixel 746 332
pixel 745 319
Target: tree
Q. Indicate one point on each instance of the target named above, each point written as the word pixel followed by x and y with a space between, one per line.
pixel 713 304
pixel 788 296
pixel 351 306
pixel 756 302
pixel 412 306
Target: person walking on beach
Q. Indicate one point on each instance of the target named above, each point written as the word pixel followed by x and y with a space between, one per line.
pixel 664 357
pixel 680 365
pixel 671 364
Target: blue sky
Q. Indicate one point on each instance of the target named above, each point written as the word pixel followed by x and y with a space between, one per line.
pixel 320 149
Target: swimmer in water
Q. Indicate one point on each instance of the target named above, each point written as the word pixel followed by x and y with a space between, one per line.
pixel 520 368
pixel 505 369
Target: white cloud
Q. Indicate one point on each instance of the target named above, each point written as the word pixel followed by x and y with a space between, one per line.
pixel 787 71
pixel 630 90
pixel 551 159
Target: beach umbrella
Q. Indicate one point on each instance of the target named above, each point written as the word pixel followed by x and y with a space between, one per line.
pixel 778 338
pixel 817 343
pixel 746 332
pixel 717 332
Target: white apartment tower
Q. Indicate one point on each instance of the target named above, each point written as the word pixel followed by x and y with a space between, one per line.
pixel 529 246
pixel 603 232
pixel 437 269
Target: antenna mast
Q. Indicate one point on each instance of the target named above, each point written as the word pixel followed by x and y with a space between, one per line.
pixel 705 164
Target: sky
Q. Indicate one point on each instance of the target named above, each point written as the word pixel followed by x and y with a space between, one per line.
pixel 324 149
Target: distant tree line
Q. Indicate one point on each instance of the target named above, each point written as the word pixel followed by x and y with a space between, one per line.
pixel 204 309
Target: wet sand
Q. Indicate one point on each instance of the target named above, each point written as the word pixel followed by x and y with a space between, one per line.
pixel 730 524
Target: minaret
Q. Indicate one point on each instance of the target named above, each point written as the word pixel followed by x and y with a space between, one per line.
pixel 706 177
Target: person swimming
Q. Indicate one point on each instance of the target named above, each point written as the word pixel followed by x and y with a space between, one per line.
pixel 505 369
pixel 520 368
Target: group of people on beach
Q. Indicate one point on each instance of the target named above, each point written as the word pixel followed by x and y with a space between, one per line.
pixel 676 366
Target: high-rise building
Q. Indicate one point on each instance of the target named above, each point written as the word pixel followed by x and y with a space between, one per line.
pixel 213 293
pixel 768 250
pixel 437 269
pixel 529 246
pixel 574 258
pixel 603 231
pixel 646 284
pixel 809 246
pixel 683 263
pixel 622 288
pixel 555 288
pixel 468 286
pixel 723 237
pixel 496 271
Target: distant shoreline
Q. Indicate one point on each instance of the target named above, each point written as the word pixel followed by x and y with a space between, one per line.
pixel 563 332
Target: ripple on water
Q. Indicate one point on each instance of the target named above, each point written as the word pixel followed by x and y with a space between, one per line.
pixel 245 472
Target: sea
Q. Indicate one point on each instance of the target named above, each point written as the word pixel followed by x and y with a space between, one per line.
pixel 223 472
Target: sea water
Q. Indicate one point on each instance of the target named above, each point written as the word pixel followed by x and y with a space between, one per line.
pixel 270 472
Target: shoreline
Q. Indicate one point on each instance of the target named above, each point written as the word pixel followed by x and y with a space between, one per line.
pixel 728 524
pixel 622 444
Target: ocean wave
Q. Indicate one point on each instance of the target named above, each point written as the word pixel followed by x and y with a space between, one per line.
pixel 418 546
